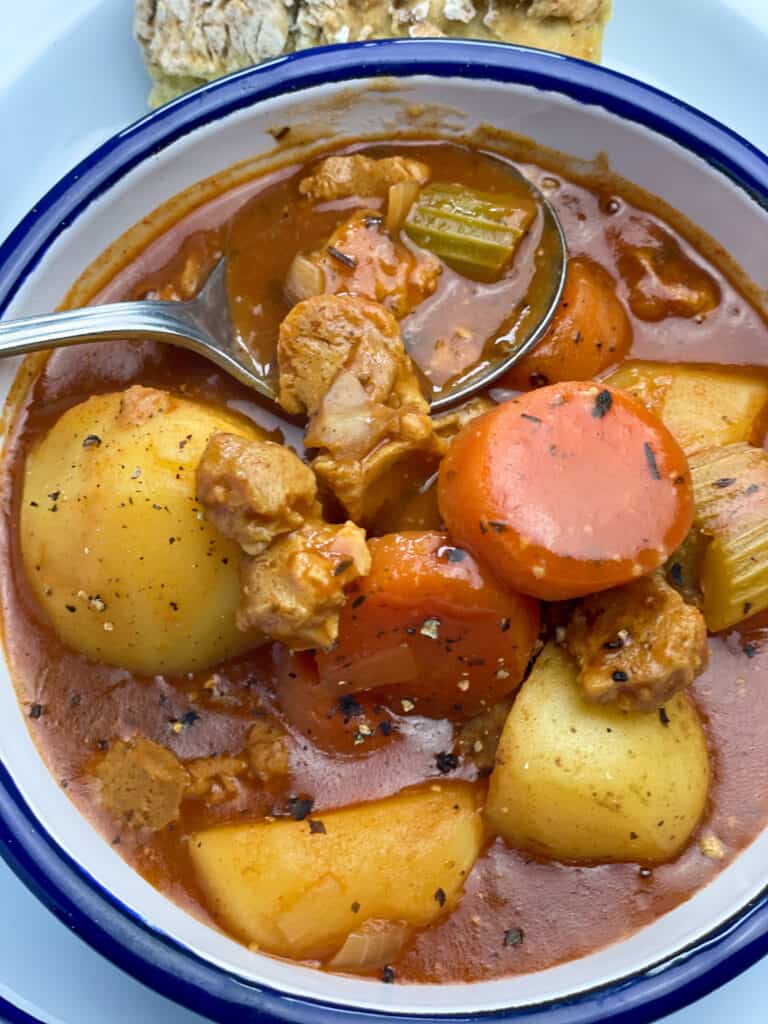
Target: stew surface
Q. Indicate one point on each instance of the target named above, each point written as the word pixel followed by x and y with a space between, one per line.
pixel 228 723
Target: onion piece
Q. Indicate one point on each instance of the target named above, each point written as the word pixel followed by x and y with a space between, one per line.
pixel 348 423
pixel 401 198
pixel 375 944
pixel 304 279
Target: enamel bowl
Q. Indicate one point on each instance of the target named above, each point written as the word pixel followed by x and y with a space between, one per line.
pixel 710 175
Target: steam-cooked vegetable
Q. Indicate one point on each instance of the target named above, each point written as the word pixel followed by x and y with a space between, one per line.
pixel 431 625
pixel 580 782
pixel 567 490
pixel 300 888
pixel 730 488
pixel 476 233
pixel 116 546
pixel 702 406
pixel 590 332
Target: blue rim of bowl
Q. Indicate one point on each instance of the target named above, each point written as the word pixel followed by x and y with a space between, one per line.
pixel 64 886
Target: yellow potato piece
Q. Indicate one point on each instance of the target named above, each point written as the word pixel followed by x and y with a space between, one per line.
pixel 299 893
pixel 114 542
pixel 582 782
pixel 702 406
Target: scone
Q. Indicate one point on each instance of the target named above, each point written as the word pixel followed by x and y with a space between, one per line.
pixel 188 42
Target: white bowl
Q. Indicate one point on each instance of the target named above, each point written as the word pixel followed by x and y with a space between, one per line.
pixel 709 175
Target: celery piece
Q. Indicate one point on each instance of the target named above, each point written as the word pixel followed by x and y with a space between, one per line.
pixel 476 233
pixel 730 488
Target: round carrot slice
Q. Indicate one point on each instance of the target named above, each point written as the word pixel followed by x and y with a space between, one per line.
pixel 589 332
pixel 430 630
pixel 567 490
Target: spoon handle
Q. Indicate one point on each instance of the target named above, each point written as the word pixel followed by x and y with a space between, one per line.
pixel 127 320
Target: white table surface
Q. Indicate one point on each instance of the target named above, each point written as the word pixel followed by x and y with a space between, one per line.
pixel 70 77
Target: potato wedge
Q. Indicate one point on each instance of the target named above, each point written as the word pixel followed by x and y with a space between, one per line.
pixel 580 782
pixel 299 891
pixel 703 406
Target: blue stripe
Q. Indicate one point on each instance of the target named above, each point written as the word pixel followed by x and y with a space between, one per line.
pixel 65 887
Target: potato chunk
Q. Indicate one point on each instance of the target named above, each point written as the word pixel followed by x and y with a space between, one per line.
pixel 115 544
pixel 703 406
pixel 578 782
pixel 298 889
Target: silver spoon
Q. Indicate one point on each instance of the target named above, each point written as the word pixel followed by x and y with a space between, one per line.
pixel 203 325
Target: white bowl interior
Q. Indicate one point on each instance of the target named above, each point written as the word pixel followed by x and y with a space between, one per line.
pixel 651 161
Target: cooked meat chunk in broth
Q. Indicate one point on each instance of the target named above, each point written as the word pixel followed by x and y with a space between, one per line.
pixel 637 645
pixel 342 360
pixel 214 779
pixel 142 783
pixel 253 491
pixel 324 334
pixel 339 177
pixel 362 259
pixel 294 591
pixel 140 404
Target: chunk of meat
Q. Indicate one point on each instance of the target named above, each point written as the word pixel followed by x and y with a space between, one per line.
pixel 448 424
pixel 339 177
pixel 294 590
pixel 324 334
pixel 142 783
pixel 479 737
pixel 214 779
pixel 140 404
pixel 573 10
pixel 267 750
pixel 362 259
pixel 662 279
pixel 637 645
pixel 253 491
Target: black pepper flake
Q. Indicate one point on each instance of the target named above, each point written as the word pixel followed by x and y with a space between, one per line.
pixel 752 489
pixel 750 649
pixel 388 975
pixel 373 222
pixel 358 601
pixel 747 607
pixel 36 711
pixel 539 380
pixel 455 554
pixel 446 762
pixel 676 574
pixel 34 504
pixel 171 540
pixel 342 566
pixel 505 624
pixel 650 458
pixel 527 416
pixel 92 441
pixel 724 481
pixel 350 707
pixel 663 717
pixel 619 676
pixel 633 835
pixel 299 807
pixel 70 608
pixel 614 645
pixel 350 262
pixel 190 718
pixel 174 605
pixel 102 744
pixel 316 828
pixel 602 405
pixel 497 527
pixel 355 907
pixel 54 495
pixel 513 937
pixel 385 728
pixel 440 896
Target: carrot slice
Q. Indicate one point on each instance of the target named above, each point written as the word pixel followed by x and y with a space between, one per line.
pixel 567 490
pixel 590 332
pixel 430 630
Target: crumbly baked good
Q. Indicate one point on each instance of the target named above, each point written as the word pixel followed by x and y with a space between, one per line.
pixel 188 42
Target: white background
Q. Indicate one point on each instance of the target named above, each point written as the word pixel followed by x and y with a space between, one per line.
pixel 70 76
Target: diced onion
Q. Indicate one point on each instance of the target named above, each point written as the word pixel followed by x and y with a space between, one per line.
pixel 374 945
pixel 348 423
pixel 304 279
pixel 401 198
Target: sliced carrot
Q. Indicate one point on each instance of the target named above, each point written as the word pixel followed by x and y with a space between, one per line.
pixel 590 332
pixel 430 630
pixel 567 490
pixel 340 723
